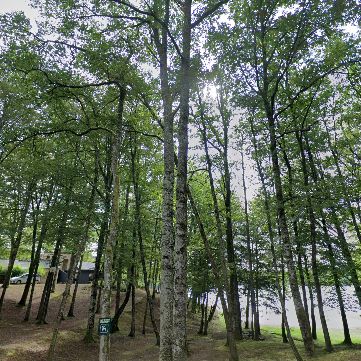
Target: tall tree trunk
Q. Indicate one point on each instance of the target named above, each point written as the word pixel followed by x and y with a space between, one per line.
pixel 75 291
pixel 280 291
pixel 132 322
pixel 89 337
pixel 343 183
pixel 220 272
pixel 246 324
pixel 205 326
pixel 138 220
pixel 104 343
pixel 335 274
pixel 180 244
pixel 16 243
pixel 211 314
pixel 313 236
pixel 114 324
pixel 255 335
pixel 43 232
pixel 221 279
pixel 311 296
pixel 119 256
pixel 300 311
pixel 167 240
pixel 77 259
pixel 316 175
pixel 283 326
pixel 44 303
pixel 29 279
pixel 299 245
pixel 200 331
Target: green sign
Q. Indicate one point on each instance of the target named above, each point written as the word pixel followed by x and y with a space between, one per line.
pixel 104 326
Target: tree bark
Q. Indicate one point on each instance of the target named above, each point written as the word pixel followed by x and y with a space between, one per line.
pixel 114 324
pixel 313 236
pixel 43 307
pixel 256 334
pixel 222 282
pixel 335 274
pixel 75 291
pixel 89 337
pixel 280 291
pixel 167 240
pixel 42 235
pixel 104 343
pixel 300 311
pixel 16 243
pixel 138 220
pixel 180 244
pixel 29 279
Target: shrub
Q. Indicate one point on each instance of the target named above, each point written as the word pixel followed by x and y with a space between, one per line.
pixel 17 271
pixel 41 271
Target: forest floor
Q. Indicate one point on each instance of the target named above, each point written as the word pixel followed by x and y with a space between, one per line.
pixel 20 341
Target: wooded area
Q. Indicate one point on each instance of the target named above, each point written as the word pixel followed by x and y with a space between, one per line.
pixel 205 152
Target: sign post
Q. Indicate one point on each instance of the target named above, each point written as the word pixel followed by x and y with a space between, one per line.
pixel 104 326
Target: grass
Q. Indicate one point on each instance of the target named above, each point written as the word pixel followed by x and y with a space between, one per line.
pixel 273 349
pixel 336 335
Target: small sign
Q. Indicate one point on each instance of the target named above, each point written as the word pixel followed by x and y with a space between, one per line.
pixel 104 326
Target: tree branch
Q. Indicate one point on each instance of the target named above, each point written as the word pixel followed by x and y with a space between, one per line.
pixel 208 12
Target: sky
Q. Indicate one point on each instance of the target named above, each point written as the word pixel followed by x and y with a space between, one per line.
pixel 17 5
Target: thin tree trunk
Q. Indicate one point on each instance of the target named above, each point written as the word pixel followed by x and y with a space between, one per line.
pixel 331 257
pixel 180 244
pixel 313 236
pixel 43 307
pixel 167 240
pixel 231 287
pixel 60 315
pixel 300 311
pixel 255 335
pixel 145 318
pixel 43 232
pixel 75 291
pixel 246 324
pixel 104 343
pixel 312 304
pixel 284 334
pixel 211 314
pixel 16 243
pixel 221 279
pixel 200 331
pixel 342 182
pixel 132 322
pixel 138 221
pixel 114 324
pixel 76 259
pixel 89 337
pixel 299 245
pixel 29 279
pixel 316 174
pixel 280 291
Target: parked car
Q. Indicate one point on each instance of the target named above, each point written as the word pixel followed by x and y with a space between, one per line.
pixel 22 279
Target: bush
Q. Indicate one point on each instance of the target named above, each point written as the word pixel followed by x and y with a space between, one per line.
pixel 41 271
pixel 17 271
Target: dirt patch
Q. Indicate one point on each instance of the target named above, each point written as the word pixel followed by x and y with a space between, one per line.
pixel 27 341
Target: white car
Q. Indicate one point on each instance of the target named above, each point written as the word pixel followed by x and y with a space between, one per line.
pixel 22 279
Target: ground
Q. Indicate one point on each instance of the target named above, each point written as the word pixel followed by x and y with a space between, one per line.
pixel 28 341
